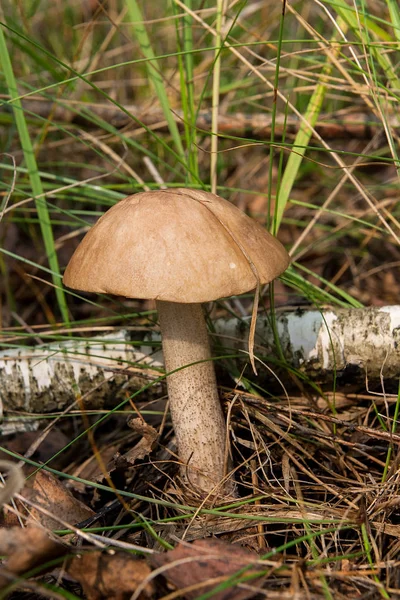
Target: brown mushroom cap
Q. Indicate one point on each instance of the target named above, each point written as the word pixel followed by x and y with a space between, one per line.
pixel 179 245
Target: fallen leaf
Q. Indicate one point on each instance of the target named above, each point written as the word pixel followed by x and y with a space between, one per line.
pixel 110 576
pixel 52 496
pixel 50 444
pixel 26 549
pixel 143 447
pixel 205 564
pixel 116 461
pixel 91 470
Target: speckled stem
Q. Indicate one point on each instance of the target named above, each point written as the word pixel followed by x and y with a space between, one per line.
pixel 194 403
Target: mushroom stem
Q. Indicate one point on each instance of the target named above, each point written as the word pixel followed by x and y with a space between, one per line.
pixel 194 403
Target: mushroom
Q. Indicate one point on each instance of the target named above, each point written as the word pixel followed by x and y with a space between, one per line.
pixel 181 248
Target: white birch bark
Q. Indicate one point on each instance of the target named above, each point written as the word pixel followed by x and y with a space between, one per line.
pixel 353 343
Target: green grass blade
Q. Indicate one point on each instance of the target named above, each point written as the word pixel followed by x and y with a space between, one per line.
pixel 154 72
pixel 34 177
pixel 275 224
pixel 394 11
pixel 368 553
pixel 186 71
pixel 361 25
pixel 180 158
pixel 302 139
pixel 372 57
pixel 318 295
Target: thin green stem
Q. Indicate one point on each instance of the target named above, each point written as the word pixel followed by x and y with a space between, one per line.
pixel 34 176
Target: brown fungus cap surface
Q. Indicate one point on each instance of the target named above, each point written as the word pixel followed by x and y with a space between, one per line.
pixel 179 245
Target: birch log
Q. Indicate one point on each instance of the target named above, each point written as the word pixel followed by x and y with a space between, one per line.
pixel 354 342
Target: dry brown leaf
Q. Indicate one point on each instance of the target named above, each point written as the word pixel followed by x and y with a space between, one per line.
pixel 138 452
pixel 90 469
pixel 110 576
pixel 143 447
pixel 50 444
pixel 26 549
pixel 205 564
pixel 56 499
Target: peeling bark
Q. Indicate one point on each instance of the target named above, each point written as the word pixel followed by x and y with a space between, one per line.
pixel 363 342
pixel 49 377
pixel 351 343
